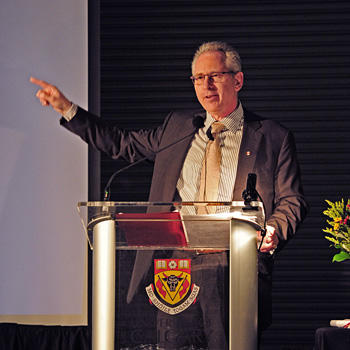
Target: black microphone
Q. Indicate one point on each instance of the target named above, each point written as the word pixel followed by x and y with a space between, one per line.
pixel 250 194
pixel 197 122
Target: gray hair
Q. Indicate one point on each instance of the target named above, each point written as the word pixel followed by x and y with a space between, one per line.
pixel 232 59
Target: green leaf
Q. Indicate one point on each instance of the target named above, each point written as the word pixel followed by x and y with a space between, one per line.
pixel 331 239
pixel 341 257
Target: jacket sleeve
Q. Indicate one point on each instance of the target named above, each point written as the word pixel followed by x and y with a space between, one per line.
pixel 113 141
pixel 290 206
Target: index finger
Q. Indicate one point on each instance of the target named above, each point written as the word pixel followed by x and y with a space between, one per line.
pixel 39 82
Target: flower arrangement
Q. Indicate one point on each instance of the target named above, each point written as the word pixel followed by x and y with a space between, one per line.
pixel 339 232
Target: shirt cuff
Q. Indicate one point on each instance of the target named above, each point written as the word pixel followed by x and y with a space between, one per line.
pixel 72 111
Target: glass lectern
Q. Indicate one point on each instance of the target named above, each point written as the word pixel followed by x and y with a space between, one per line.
pixel 175 226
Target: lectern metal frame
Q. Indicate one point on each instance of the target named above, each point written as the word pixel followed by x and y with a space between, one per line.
pixel 243 282
pixel 103 285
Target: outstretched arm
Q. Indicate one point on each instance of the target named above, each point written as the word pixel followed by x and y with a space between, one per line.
pixel 49 95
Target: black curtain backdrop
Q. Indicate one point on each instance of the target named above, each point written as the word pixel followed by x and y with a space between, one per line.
pixel 296 63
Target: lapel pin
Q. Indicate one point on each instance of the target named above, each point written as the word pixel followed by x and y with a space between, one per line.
pixel 248 153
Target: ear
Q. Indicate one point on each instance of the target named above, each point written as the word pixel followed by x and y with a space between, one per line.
pixel 238 81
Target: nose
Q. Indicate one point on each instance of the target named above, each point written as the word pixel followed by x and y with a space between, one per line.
pixel 209 81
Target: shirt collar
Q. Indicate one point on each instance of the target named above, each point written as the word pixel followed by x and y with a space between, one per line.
pixel 233 121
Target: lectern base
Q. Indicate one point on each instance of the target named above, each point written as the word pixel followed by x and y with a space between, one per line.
pixel 171 288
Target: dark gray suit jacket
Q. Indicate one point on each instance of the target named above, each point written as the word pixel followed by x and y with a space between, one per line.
pixel 267 149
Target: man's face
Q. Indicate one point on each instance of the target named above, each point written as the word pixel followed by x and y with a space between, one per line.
pixel 219 99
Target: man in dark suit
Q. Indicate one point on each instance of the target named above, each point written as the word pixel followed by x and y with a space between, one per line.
pixel 249 144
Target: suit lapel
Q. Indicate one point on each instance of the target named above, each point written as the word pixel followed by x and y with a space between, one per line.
pixel 169 163
pixel 248 152
pixel 179 152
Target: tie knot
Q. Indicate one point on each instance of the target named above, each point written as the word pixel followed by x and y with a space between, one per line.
pixel 216 128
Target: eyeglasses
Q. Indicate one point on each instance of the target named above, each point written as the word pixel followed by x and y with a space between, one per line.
pixel 216 77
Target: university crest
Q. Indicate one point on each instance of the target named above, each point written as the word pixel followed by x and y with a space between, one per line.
pixel 172 291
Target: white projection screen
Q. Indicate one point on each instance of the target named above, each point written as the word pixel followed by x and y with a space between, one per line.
pixel 43 251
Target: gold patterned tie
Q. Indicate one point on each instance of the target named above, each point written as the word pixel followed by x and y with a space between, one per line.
pixel 210 174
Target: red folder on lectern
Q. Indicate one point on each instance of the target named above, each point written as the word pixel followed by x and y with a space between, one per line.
pixel 152 229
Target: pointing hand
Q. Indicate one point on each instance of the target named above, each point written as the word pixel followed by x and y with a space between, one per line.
pixel 49 95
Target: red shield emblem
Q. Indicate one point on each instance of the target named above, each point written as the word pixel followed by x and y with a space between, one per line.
pixel 172 291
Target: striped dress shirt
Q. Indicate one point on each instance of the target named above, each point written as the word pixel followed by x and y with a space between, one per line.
pixel 230 141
